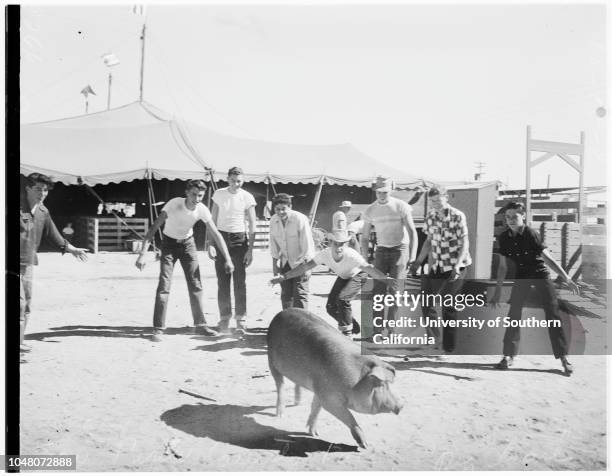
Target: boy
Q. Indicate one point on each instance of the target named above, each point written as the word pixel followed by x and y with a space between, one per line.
pixel 524 247
pixel 351 269
pixel 179 216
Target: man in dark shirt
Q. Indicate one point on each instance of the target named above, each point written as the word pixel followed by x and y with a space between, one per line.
pixel 524 248
pixel 35 223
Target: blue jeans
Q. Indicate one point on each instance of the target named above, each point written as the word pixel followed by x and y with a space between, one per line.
pixel 439 283
pixel 224 280
pixel 391 261
pixel 294 292
pixel 185 252
pixel 339 300
pixel 546 290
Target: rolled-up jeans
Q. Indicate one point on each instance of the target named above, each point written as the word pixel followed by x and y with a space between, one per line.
pixel 185 252
pixel 391 261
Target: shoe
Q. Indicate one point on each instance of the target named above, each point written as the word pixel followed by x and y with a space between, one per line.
pixel 157 335
pixel 356 327
pixel 505 362
pixel 569 369
pixel 23 348
pixel 205 331
pixel 224 326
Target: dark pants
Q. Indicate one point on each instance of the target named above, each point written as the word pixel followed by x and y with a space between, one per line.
pixel 546 290
pixel 436 283
pixel 339 300
pixel 294 292
pixel 185 252
pixel 224 280
pixel 392 262
pixel 25 297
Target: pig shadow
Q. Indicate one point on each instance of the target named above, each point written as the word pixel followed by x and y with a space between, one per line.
pixel 232 424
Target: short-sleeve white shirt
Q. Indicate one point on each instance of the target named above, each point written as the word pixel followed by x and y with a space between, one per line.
pixel 389 220
pixel 347 267
pixel 232 209
pixel 180 221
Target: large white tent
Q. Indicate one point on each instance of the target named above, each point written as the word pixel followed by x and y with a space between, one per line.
pixel 139 141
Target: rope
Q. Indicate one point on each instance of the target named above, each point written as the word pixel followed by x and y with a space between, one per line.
pixel 93 192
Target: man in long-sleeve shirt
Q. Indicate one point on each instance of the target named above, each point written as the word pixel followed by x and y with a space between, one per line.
pixel 291 244
pixel 35 223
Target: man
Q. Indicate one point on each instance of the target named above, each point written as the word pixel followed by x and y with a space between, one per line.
pixel 179 215
pixel 355 230
pixel 351 269
pixel 291 244
pixel 396 239
pixel 232 208
pixel 339 220
pixel 35 223
pixel 523 246
pixel 447 251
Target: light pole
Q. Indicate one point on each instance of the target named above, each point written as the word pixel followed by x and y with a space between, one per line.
pixel 110 60
pixel 86 91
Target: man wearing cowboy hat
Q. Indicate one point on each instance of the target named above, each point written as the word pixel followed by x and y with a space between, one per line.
pixel 396 238
pixel 351 269
pixel 339 221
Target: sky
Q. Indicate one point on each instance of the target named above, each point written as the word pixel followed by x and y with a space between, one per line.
pixel 429 89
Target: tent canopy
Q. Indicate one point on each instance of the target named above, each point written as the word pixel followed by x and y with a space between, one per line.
pixel 138 140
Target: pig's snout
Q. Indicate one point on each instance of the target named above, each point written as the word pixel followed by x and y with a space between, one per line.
pixel 398 408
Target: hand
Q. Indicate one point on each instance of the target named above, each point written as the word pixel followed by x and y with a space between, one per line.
pixel 455 273
pixel 277 280
pixel 573 287
pixel 494 301
pixel 229 266
pixel 79 253
pixel 140 262
pixel 212 253
pixel 248 258
pixel 413 268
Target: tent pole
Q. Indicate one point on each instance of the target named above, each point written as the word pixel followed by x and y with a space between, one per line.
pixel 150 194
pixel 315 204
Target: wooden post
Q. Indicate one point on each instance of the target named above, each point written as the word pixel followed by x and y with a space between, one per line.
pixel 315 204
pixel 528 180
pixel 581 204
pixel 95 235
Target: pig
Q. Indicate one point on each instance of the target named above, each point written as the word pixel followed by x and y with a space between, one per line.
pixel 314 355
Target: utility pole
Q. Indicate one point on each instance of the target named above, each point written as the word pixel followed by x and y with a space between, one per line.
pixel 142 57
pixel 479 166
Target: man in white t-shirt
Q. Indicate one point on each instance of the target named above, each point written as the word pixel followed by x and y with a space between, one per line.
pixel 396 239
pixel 232 209
pixel 351 269
pixel 339 220
pixel 179 215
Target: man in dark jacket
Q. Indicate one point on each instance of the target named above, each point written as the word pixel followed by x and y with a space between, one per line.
pixel 35 223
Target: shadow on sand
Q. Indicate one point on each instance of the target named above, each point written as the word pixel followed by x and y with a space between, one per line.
pixel 232 424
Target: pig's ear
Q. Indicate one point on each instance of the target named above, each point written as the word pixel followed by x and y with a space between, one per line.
pixel 382 374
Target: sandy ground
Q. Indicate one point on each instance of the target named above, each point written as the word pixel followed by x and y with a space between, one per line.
pixel 96 386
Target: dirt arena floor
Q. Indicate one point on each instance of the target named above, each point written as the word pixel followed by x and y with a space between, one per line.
pixel 95 386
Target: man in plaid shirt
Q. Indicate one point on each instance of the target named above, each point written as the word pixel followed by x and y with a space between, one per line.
pixel 447 250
